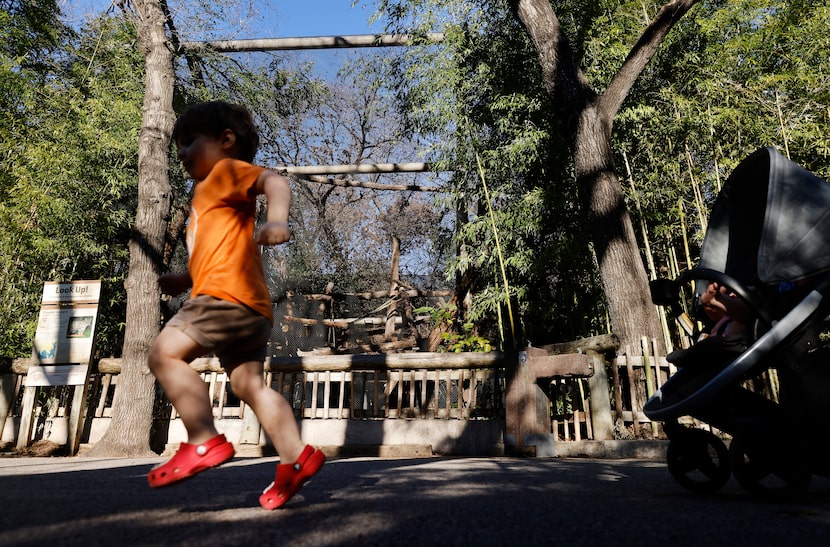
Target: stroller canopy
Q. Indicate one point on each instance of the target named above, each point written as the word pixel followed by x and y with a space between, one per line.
pixel 770 222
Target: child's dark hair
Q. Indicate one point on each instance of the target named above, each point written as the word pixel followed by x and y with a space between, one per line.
pixel 212 118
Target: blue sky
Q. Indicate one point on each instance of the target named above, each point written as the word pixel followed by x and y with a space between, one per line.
pixel 322 17
pixel 280 18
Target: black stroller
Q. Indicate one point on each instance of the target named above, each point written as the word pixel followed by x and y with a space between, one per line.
pixel 768 242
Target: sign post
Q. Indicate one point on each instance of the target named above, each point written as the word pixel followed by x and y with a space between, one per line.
pixel 62 350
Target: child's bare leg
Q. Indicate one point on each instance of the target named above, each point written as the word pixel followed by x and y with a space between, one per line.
pixel 298 462
pixel 272 410
pixel 169 360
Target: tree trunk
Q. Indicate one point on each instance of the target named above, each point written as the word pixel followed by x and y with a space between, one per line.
pixel 586 120
pixel 623 275
pixel 132 415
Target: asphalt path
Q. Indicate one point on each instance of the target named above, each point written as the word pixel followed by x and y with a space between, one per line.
pixel 370 501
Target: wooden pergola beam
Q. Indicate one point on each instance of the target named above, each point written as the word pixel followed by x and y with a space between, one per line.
pixel 312 42
pixel 319 174
pixel 358 168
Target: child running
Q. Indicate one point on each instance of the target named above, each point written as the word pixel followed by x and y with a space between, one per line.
pixel 229 311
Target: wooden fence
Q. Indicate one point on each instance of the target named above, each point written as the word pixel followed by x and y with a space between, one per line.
pixel 401 387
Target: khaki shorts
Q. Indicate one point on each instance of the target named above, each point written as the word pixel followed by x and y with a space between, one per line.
pixel 235 333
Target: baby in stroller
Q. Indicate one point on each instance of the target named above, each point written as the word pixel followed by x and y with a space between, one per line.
pixel 763 284
pixel 727 335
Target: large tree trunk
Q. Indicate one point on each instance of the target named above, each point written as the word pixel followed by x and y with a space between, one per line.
pixel 623 275
pixel 132 415
pixel 587 119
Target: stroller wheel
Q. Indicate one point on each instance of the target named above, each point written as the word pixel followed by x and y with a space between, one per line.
pixel 766 475
pixel 698 460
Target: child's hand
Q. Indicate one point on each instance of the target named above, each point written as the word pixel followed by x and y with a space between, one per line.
pixel 174 283
pixel 273 233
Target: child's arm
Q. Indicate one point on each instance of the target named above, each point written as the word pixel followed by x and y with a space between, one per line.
pixel 175 283
pixel 278 195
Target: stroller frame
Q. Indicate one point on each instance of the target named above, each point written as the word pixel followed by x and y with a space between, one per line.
pixel 786 338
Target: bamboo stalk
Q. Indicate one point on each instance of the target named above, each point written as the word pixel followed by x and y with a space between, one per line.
pixel 650 387
pixel 685 237
pixel 632 389
pixel 781 124
pixel 498 249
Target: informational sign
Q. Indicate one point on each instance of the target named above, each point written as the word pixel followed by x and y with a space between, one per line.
pixel 66 324
pixel 62 350
pixel 57 375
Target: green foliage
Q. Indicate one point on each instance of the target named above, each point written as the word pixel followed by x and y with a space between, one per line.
pixel 732 77
pixel 454 340
pixel 480 95
pixel 30 32
pixel 465 341
pixel 69 194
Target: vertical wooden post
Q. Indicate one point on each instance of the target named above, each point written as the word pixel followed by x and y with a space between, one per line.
pixel 394 278
pixel 602 422
pixel 615 374
pixel 6 397
pixel 75 426
pixel 632 388
pixel 516 403
pixel 26 423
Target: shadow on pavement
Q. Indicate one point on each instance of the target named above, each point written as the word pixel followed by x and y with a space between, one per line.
pixel 464 501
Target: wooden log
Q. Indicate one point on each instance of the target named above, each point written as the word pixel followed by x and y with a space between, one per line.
pixel 21 365
pixel 110 365
pixel 337 323
pixel 373 295
pixel 560 366
pixel 311 42
pixel 542 366
pixel 603 343
pixel 357 183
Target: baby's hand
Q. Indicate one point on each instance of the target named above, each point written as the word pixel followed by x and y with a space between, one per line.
pixel 273 233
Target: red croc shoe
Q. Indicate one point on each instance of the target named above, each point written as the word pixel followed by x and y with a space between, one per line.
pixel 291 477
pixel 191 459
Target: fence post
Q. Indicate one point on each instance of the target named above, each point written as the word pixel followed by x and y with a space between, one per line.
pixel 602 421
pixel 6 397
pixel 527 407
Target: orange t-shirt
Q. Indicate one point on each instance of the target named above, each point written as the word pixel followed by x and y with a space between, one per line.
pixel 224 259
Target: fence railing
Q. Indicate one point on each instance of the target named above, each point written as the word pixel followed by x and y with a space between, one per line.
pixel 415 390
pixel 404 387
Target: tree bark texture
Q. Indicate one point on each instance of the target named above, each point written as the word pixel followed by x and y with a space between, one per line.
pixel 129 432
pixel 623 275
pixel 587 118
